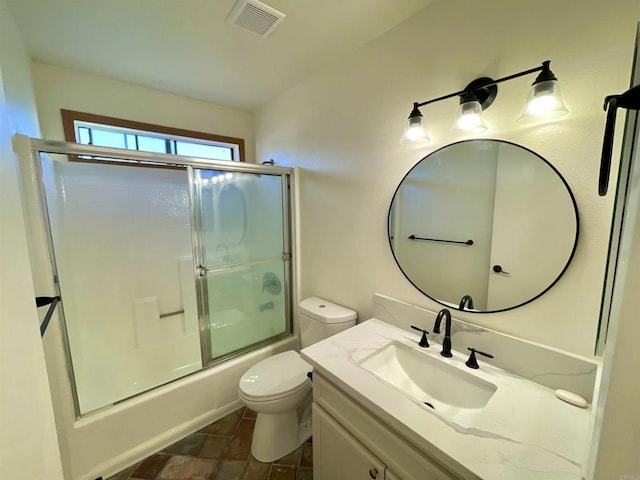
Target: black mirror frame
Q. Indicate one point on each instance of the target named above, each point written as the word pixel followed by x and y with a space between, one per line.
pixel 554 169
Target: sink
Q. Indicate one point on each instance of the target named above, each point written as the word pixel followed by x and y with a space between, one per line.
pixel 427 379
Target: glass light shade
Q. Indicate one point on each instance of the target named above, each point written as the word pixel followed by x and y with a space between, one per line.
pixel 469 118
pixel 544 101
pixel 414 133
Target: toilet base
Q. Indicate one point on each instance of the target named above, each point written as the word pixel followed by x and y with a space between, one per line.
pixel 278 434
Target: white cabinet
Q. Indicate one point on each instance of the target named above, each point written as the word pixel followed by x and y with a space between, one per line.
pixel 337 455
pixel 351 444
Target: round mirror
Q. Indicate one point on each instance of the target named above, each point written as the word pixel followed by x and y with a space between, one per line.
pixel 486 221
pixel 233 214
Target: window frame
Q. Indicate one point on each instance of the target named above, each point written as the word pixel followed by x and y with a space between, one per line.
pixel 69 117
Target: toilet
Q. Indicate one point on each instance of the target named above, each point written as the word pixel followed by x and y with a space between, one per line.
pixel 278 388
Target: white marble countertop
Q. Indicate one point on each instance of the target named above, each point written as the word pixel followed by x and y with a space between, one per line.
pixel 524 432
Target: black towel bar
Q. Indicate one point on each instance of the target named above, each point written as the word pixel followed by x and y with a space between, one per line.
pixel 467 242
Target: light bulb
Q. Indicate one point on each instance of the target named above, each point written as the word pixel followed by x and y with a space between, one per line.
pixel 414 132
pixel 469 118
pixel 542 105
pixel 544 101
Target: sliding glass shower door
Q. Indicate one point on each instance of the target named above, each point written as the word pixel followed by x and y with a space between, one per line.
pixel 242 262
pixel 123 266
pixel 165 264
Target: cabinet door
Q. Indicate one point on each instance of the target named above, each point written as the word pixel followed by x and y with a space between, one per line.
pixel 389 475
pixel 337 455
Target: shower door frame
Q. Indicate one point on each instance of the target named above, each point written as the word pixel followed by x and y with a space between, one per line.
pixel 55 147
pixel 201 270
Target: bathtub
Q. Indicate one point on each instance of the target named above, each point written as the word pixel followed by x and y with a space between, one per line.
pixel 105 442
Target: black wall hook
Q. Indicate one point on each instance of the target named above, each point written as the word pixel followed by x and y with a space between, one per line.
pixel 629 100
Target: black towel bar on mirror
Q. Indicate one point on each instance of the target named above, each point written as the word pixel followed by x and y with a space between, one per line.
pixel 466 242
pixel 41 302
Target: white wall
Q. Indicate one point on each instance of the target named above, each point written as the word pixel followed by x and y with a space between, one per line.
pixel 28 443
pixel 342 127
pixel 57 88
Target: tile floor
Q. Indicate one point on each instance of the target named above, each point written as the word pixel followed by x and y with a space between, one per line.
pixel 220 451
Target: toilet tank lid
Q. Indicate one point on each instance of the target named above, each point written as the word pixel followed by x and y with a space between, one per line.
pixel 327 312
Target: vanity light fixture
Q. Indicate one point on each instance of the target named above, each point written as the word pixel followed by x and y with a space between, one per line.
pixel 414 133
pixel 544 101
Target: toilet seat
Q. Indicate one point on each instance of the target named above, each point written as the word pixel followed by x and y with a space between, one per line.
pixel 279 376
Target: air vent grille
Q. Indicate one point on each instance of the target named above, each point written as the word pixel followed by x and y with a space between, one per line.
pixel 255 16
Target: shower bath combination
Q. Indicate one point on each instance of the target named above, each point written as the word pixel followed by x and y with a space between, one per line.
pixel 162 271
pixel 174 276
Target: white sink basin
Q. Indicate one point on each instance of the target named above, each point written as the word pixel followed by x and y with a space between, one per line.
pixel 427 379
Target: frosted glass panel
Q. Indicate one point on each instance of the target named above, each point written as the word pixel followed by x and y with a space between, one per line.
pixel 122 239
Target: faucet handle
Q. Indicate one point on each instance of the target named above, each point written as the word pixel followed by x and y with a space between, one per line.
pixel 473 362
pixel 423 341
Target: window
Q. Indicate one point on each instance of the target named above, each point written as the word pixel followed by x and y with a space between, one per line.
pixel 89 129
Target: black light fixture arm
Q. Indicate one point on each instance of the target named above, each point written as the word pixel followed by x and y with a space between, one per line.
pixel 542 68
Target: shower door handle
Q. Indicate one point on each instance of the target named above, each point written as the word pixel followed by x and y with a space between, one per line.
pixel 629 100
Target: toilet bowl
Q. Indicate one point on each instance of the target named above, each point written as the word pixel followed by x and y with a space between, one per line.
pixel 278 388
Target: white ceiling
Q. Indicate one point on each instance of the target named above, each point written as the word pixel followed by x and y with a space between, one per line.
pixel 185 46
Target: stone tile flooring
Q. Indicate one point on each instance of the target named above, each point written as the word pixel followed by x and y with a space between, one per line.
pixel 220 451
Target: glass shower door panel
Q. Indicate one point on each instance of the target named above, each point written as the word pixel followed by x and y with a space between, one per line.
pixel 246 306
pixel 241 217
pixel 122 242
pixel 242 247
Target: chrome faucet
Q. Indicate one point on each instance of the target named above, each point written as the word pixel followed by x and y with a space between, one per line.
pixel 446 343
pixel 466 301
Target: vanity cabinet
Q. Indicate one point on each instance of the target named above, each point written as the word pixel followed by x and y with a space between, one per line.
pixel 336 454
pixel 350 444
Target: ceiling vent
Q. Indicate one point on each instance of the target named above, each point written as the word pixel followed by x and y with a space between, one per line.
pixel 256 17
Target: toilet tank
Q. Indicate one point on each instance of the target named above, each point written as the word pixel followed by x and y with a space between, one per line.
pixel 319 319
